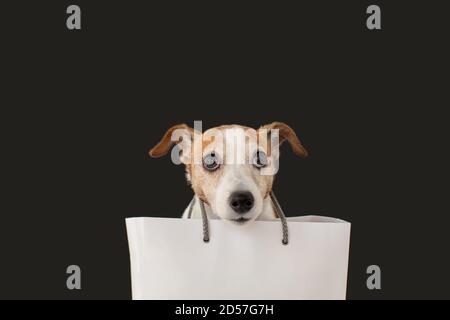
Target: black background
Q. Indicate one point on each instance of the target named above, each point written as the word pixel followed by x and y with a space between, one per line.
pixel 80 109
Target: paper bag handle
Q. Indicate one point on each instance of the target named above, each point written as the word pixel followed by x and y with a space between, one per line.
pixel 277 208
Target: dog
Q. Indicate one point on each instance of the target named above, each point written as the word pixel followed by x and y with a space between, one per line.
pixel 231 168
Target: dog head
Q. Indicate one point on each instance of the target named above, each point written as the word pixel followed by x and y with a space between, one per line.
pixel 231 168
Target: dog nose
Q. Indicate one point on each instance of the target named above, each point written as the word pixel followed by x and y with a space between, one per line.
pixel 241 202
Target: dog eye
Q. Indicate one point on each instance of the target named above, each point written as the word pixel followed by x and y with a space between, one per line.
pixel 260 160
pixel 211 162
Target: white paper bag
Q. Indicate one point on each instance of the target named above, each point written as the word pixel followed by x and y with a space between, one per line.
pixel 169 259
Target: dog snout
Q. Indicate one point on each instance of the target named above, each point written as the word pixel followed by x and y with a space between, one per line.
pixel 242 201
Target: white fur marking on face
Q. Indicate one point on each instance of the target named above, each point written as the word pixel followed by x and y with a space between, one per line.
pixel 238 176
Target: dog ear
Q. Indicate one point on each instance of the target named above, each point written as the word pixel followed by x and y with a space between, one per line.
pixel 166 143
pixel 287 133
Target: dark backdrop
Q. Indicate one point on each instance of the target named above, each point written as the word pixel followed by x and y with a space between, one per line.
pixel 81 109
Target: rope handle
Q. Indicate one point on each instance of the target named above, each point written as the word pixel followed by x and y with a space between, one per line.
pixel 205 222
pixel 282 217
pixel 277 207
